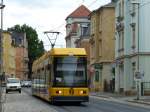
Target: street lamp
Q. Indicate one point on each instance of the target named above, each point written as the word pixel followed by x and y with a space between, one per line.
pixel 1 53
pixel 1 35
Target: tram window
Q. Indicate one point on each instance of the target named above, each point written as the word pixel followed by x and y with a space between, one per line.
pixel 58 79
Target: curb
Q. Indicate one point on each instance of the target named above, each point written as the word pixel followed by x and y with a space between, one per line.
pixel 140 102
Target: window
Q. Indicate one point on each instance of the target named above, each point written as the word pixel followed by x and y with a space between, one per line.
pixel 70 71
pixel 133 9
pixel 133 37
pixel 84 31
pixel 133 72
pixel 96 76
pixel 94 25
pixel 100 22
pixel 119 8
pixel 122 41
pixel 100 47
pixel 13 42
pixel 119 40
pixel 93 50
pixel 122 8
pixel 20 41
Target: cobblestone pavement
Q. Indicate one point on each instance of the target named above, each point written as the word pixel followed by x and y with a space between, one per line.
pixel 25 102
pixel 16 102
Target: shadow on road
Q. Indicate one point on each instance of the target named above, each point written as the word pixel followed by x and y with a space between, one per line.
pixel 70 104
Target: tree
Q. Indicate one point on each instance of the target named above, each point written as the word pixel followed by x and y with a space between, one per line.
pixel 35 46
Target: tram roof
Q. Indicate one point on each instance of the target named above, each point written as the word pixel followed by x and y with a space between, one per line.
pixel 60 52
pixel 68 51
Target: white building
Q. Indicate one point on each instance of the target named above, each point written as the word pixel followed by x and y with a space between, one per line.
pixel 77 20
pixel 132 44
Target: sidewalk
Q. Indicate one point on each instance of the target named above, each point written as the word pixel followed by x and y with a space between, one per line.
pixel 118 97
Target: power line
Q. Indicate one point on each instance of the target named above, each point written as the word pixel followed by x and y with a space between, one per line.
pixel 92 3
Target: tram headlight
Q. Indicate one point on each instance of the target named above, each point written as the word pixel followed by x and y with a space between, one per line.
pixel 81 92
pixel 59 92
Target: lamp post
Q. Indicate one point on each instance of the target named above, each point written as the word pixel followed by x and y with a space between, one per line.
pixel 1 52
pixel 1 37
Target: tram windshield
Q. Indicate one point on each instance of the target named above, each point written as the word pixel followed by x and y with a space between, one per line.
pixel 70 71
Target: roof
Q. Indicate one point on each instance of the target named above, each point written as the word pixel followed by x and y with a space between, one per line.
pixel 109 5
pixel 80 12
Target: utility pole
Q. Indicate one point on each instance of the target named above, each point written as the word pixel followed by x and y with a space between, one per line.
pixel 1 37
pixel 1 53
pixel 52 37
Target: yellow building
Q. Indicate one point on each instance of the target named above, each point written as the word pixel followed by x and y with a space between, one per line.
pixel 8 55
pixel 102 49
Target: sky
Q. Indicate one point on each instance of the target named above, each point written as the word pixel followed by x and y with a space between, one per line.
pixel 45 15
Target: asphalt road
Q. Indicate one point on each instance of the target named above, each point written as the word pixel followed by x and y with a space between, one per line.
pixel 25 102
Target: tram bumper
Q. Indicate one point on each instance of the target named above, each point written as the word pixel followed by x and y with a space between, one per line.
pixel 70 98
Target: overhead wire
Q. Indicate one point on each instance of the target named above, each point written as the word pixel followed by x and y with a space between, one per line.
pixel 61 25
pixel 92 3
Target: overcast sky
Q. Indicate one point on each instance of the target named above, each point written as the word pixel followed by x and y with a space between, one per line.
pixel 44 15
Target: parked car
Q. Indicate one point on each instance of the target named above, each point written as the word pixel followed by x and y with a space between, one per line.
pixel 26 83
pixel 13 84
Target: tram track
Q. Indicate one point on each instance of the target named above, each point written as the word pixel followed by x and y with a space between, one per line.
pixel 59 107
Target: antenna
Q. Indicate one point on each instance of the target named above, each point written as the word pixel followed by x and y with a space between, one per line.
pixel 52 37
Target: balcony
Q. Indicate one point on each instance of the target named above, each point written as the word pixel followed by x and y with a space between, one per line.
pixel 119 26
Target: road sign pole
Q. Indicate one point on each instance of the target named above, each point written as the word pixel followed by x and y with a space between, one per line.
pixel 138 77
pixel 138 90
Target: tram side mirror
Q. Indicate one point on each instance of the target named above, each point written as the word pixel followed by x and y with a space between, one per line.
pixel 48 66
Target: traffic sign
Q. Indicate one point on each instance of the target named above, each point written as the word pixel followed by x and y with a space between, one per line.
pixel 138 75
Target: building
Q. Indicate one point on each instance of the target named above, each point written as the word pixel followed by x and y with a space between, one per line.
pixel 21 57
pixel 83 41
pixel 9 53
pixel 102 47
pixel 76 24
pixel 132 44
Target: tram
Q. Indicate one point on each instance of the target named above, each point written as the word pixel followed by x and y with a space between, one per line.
pixel 60 75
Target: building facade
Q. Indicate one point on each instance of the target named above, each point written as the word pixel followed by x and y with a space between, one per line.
pixel 83 41
pixel 132 51
pixel 102 47
pixel 21 57
pixel 76 23
pixel 9 52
